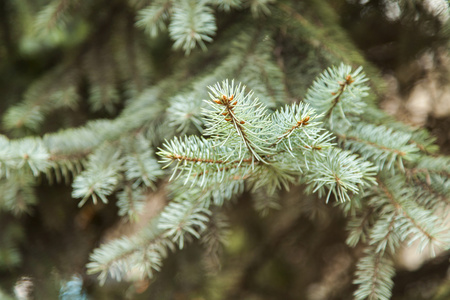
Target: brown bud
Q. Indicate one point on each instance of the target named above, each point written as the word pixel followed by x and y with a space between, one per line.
pixel 235 102
pixel 348 79
pixel 217 101
pixel 227 119
pixel 224 98
pixel 224 113
pixel 242 122
pixel 231 97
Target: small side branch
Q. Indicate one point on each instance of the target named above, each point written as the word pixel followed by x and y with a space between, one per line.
pixel 195 159
pixel 352 138
pixel 399 209
pixel 300 123
pixel 230 116
pixel 343 85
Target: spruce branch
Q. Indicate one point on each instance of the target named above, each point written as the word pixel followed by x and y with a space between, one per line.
pixel 262 74
pixel 424 141
pixel 153 18
pixel 23 116
pixel 181 219
pixel 236 123
pixel 297 128
pixel 244 147
pixel 342 87
pixel 432 189
pixel 386 234
pixel 103 95
pixel 227 5
pixel 64 169
pixel 184 112
pixel 200 157
pixel 140 165
pixel 6 162
pixel 374 277
pixel 28 153
pixel 235 119
pixel 214 237
pixel 341 172
pixel 413 222
pixel 338 93
pixel 17 192
pixel 73 288
pixel 53 91
pixel 53 15
pixel 138 256
pixel 358 228
pixel 131 202
pixel 70 147
pixel 420 137
pixel 260 7
pixel 379 144
pixel 192 23
pixel 434 197
pixel 439 165
pixel 100 177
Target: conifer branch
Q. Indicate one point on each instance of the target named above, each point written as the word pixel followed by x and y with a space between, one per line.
pixel 432 193
pixel 227 5
pixel 100 177
pixel 153 17
pixel 340 172
pixel 239 61
pixel 372 142
pixel 381 147
pixel 244 145
pixel 301 123
pixel 358 228
pixel 141 254
pixel 53 14
pixel 192 23
pixel 338 94
pixel 130 202
pixel 384 234
pixel 439 165
pixel 374 277
pixel 179 220
pixel 17 192
pixel 416 222
pixel 235 118
pixel 297 126
pixel 140 165
pixel 231 117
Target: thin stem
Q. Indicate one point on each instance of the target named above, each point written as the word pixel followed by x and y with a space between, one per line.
pixel 404 213
pixel 352 138
pixel 342 87
pixel 230 103
pixel 302 122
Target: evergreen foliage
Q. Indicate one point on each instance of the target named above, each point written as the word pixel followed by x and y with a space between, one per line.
pixel 234 125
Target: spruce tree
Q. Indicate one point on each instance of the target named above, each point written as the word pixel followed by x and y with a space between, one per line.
pixel 207 103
